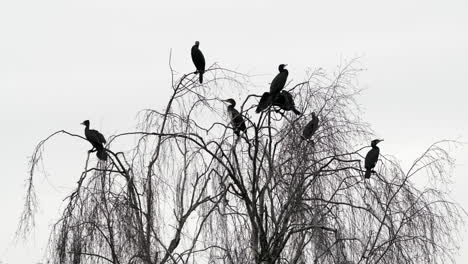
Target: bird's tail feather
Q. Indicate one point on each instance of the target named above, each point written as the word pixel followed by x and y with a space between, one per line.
pixel 101 154
pixel 201 77
pixel 367 174
pixel 296 111
pixel 259 109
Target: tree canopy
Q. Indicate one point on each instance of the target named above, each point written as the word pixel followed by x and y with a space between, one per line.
pixel 191 191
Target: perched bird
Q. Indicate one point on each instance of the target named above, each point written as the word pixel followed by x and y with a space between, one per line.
pixel 372 157
pixel 279 81
pixel 285 101
pixel 96 139
pixel 199 60
pixel 264 103
pixel 311 127
pixel 237 121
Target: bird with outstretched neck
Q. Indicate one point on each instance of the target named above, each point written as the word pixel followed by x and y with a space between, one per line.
pixel 285 102
pixel 237 121
pixel 371 158
pixel 311 127
pixel 96 139
pixel 199 60
pixel 279 81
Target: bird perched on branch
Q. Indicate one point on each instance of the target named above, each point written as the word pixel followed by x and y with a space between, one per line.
pixel 279 81
pixel 371 158
pixel 285 101
pixel 264 103
pixel 199 60
pixel 237 121
pixel 311 127
pixel 96 139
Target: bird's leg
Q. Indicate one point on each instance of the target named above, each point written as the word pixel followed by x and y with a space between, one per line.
pixel 92 150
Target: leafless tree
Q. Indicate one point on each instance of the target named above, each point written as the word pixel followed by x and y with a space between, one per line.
pixel 190 191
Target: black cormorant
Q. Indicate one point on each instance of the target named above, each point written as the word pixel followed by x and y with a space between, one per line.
pixel 96 139
pixel 311 127
pixel 285 101
pixel 279 81
pixel 371 158
pixel 264 103
pixel 237 121
pixel 199 60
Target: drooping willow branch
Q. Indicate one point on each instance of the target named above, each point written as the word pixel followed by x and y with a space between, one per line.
pixel 190 190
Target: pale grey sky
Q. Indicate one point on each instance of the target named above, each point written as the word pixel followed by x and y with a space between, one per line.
pixel 65 61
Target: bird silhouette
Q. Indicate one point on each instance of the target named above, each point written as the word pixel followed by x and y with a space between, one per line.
pixel 311 127
pixel 96 139
pixel 279 81
pixel 237 121
pixel 371 158
pixel 265 102
pixel 199 60
pixel 285 101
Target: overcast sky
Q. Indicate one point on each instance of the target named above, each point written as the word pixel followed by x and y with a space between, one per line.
pixel 62 62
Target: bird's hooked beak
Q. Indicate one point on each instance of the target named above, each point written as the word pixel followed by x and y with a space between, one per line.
pixel 380 140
